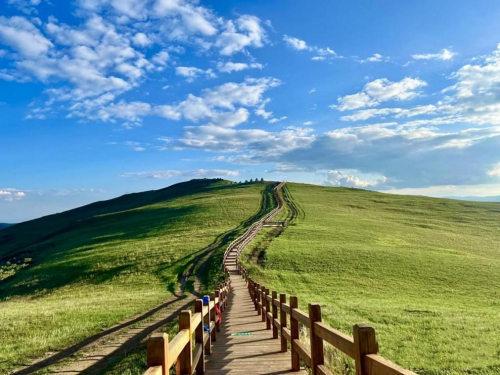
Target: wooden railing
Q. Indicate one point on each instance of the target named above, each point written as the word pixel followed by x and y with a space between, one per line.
pixel 239 244
pixel 284 319
pixel 186 353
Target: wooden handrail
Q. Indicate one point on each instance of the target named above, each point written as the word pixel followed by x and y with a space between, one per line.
pixel 362 347
pixel 162 354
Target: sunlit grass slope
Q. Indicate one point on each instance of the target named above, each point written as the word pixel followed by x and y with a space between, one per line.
pixel 67 276
pixel 424 272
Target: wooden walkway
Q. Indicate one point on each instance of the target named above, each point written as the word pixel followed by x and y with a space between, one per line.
pixel 253 353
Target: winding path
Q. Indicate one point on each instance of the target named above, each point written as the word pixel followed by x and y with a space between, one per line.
pixel 244 345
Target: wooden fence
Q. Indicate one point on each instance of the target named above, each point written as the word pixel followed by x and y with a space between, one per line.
pixel 240 243
pixel 284 319
pixel 186 353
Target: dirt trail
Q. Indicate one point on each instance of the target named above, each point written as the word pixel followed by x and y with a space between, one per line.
pixel 94 354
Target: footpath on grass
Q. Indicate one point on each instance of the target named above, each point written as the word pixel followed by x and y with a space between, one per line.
pixel 95 354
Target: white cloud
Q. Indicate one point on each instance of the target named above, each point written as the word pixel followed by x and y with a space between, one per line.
pixel 444 54
pixel 345 179
pixel 141 40
pixel 301 45
pixel 276 120
pixel 245 32
pixel 366 114
pixel 312 91
pixel 249 142
pixel 230 66
pixel 25 6
pixel 198 173
pixel 23 37
pixel 196 19
pixel 295 43
pixel 308 123
pixel 191 73
pixel 495 171
pixel 380 90
pixel 10 195
pixel 376 57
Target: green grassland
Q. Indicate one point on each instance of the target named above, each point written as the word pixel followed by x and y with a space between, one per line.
pixel 424 272
pixel 65 277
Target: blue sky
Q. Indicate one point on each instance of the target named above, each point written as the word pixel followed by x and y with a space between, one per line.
pixel 103 97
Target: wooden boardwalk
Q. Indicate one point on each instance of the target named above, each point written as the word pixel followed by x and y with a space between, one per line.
pixel 254 353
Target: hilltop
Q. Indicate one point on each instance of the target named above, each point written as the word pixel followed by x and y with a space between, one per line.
pixel 64 277
pixel 425 272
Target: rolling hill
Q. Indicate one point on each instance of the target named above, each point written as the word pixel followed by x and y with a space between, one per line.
pixel 4 225
pixel 425 272
pixel 65 277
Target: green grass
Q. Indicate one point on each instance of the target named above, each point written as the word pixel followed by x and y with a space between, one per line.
pixel 65 277
pixel 424 272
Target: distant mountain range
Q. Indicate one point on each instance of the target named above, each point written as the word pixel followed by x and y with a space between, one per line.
pixel 478 199
pixel 4 225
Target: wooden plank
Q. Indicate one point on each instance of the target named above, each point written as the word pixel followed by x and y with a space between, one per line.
pixel 302 351
pixel 176 346
pixel 317 355
pixel 294 333
pixel 185 360
pixel 195 320
pixel 302 317
pixel 286 308
pixel 198 358
pixel 286 334
pixel 157 351
pixel 377 365
pixel 323 370
pixel 365 342
pixel 339 340
pixel 155 370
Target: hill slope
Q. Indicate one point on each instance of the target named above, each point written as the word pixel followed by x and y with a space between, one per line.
pixel 424 272
pixel 4 225
pixel 67 276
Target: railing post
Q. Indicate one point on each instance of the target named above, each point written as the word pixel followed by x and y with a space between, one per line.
pixel 268 310
pixel 213 318
pixel 259 307
pixel 263 303
pixel 294 332
pixel 157 349
pixel 317 354
pixel 217 324
pixel 275 314
pixel 198 337
pixel 283 322
pixel 206 323
pixel 185 360
pixel 365 342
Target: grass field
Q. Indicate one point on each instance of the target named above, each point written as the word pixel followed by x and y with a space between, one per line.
pixel 67 276
pixel 424 272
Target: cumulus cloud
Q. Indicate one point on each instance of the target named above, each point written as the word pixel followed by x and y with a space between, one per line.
pixel 495 171
pixel 444 54
pixel 380 90
pixel 230 66
pixel 347 179
pixel 198 173
pixel 301 45
pixel 245 31
pixel 102 53
pixel 10 194
pixel 190 72
pixel 295 43
pixel 23 37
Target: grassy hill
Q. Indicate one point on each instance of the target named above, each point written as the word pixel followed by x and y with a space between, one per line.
pixel 424 272
pixel 65 277
pixel 4 225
